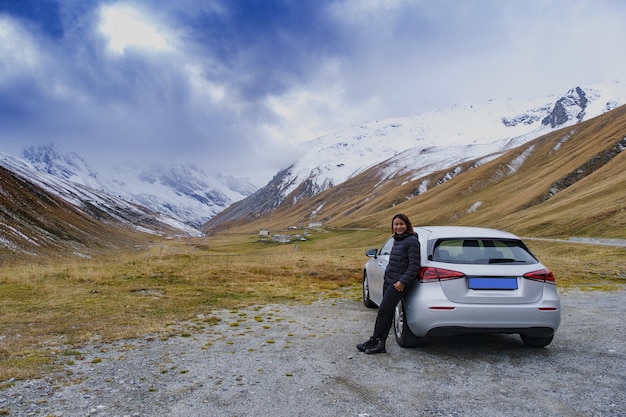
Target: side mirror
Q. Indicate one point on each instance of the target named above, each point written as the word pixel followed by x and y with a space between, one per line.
pixel 372 253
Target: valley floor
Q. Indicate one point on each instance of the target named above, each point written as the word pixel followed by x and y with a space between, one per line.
pixel 300 360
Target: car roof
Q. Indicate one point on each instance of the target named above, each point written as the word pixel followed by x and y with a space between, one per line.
pixel 436 232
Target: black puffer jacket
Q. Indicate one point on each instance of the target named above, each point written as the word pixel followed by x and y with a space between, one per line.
pixel 404 259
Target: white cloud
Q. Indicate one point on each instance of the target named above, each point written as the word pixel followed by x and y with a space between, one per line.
pixel 306 111
pixel 17 49
pixel 126 27
pixel 204 88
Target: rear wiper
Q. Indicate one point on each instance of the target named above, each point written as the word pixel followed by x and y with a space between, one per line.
pixel 504 261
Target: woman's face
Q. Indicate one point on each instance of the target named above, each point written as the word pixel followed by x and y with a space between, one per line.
pixel 399 226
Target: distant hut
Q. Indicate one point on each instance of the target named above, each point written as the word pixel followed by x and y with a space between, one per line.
pixel 282 238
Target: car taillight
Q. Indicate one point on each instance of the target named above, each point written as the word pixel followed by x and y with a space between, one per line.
pixel 541 275
pixel 429 274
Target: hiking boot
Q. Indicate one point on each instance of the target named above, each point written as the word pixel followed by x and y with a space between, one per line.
pixel 378 347
pixel 366 345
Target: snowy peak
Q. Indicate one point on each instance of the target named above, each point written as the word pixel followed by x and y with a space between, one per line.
pixel 184 192
pixel 580 104
pixel 571 106
pixel 184 180
pixel 193 181
pixel 69 166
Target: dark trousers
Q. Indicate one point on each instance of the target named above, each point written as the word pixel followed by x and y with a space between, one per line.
pixel 384 319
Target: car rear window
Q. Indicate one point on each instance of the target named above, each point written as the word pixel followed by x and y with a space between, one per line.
pixel 482 251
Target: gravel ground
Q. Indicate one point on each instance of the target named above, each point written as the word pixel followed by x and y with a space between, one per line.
pixel 301 361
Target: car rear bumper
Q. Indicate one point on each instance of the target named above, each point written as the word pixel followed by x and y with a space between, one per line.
pixel 438 317
pixel 455 330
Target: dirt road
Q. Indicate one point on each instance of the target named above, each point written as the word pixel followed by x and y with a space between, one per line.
pixel 301 361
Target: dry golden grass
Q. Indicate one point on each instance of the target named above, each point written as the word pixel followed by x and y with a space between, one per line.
pixel 71 302
pixel 500 193
pixel 51 308
pixel 587 267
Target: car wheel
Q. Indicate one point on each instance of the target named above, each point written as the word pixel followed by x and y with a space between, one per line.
pixel 404 335
pixel 366 293
pixel 533 341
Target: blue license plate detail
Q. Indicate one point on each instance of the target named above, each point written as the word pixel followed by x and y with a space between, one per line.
pixel 480 283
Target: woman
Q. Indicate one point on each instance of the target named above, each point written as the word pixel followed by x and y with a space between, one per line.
pixel 401 272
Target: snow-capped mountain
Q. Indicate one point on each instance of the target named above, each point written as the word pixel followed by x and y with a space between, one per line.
pixel 420 144
pixel 423 144
pixel 69 166
pixel 93 202
pixel 186 193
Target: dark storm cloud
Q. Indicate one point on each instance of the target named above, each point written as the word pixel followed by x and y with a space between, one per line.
pixel 237 85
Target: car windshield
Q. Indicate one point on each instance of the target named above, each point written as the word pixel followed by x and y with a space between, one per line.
pixel 482 251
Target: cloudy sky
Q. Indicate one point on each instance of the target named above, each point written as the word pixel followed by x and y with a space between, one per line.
pixel 236 85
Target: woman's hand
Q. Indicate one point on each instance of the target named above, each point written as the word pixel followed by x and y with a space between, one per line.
pixel 398 286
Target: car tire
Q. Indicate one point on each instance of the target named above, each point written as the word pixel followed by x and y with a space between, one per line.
pixel 404 336
pixel 537 342
pixel 366 292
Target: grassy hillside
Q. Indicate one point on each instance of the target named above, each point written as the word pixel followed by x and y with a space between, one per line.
pixel 512 192
pixel 35 223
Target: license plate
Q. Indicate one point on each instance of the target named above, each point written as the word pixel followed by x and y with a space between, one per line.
pixel 480 283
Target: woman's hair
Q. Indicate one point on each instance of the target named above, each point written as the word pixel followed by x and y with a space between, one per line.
pixel 405 219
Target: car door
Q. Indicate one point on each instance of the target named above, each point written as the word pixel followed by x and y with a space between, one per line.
pixel 376 271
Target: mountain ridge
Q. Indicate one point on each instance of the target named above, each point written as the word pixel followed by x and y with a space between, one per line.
pixel 43 215
pixel 420 144
pixel 507 192
pixel 185 192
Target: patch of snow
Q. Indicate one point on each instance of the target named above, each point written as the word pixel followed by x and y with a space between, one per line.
pixel 474 207
pixel 517 163
pixel 318 209
pixel 563 140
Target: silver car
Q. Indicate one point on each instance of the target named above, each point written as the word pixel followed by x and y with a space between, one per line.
pixel 472 280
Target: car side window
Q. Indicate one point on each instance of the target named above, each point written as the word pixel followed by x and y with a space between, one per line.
pixel 386 249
